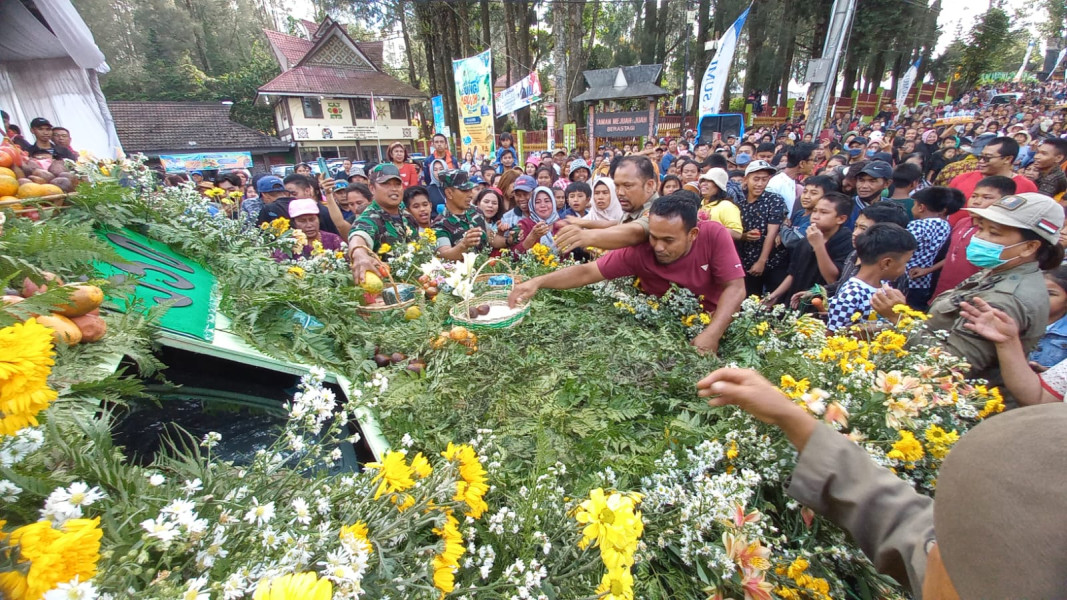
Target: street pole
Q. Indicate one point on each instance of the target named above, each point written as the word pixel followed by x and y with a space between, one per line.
pixel 843 12
pixel 690 16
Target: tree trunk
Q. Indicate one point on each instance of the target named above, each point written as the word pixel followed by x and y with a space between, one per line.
pixel 413 77
pixel 464 27
pixel 648 35
pixel 524 15
pixel 198 37
pixel 559 56
pixel 701 57
pixel 756 36
pixel 661 36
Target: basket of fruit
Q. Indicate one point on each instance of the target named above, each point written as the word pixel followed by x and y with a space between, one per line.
pixel 380 298
pixel 490 310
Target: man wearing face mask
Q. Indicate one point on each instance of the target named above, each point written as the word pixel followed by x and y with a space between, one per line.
pixel 855 148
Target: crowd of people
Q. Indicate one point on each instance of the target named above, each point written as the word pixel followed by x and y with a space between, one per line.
pixel 49 142
pixel 920 207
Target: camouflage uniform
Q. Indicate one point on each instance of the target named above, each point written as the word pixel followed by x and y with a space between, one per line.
pixel 376 227
pixel 450 228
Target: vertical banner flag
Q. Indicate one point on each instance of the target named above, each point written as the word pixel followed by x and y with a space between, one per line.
pixel 438 114
pixel 1026 59
pixel 550 116
pixel 717 75
pixel 570 136
pixel 474 99
pixel 1059 59
pixel 906 82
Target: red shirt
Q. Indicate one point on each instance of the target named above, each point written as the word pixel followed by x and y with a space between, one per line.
pixel 957 267
pixel 968 181
pixel 409 174
pixel 711 262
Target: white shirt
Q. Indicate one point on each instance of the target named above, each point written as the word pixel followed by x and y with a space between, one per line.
pixel 786 187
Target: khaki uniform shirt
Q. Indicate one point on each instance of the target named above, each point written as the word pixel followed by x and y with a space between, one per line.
pixel 1019 291
pixel 639 216
pixel 891 522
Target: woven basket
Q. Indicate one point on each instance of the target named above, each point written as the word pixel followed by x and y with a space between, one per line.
pixel 367 310
pixel 496 297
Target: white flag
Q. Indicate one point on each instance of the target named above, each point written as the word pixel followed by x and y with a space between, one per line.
pixel 1026 59
pixel 906 82
pixel 717 76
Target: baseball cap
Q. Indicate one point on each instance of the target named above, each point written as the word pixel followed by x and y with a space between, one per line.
pixel 357 171
pixel 717 176
pixel 340 185
pixel 454 178
pixel 270 183
pixel 384 172
pixel 477 179
pixel 525 183
pixel 40 122
pixel 304 206
pixel 981 142
pixel 560 150
pixel 883 156
pixel 1031 211
pixel 878 169
pixel 758 165
pixel 858 140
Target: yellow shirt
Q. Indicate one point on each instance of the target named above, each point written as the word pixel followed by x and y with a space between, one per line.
pixel 724 212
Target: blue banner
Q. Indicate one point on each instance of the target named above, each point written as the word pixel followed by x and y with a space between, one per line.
pixel 438 114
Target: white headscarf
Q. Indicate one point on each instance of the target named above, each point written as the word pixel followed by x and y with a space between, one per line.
pixel 613 212
pixel 547 238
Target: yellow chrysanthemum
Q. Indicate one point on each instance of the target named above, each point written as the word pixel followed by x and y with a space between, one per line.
pixel 25 363
pixel 796 568
pixel 907 448
pixel 421 466
pixel 473 483
pixel 279 226
pixel 394 474
pixel 356 535
pixel 295 586
pixel 385 249
pixel 617 584
pixel 55 556
pixel 613 523
pixel 296 271
pixel 446 563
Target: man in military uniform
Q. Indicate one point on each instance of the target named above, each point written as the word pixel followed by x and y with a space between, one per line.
pixel 462 227
pixel 383 222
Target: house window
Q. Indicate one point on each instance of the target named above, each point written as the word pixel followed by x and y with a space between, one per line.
pixel 361 108
pixel 398 110
pixel 312 108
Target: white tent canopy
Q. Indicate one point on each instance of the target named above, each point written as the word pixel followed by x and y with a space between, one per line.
pixel 52 72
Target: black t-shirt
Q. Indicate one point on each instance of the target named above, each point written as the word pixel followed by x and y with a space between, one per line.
pixel 804 267
pixel 31 148
pixel 280 208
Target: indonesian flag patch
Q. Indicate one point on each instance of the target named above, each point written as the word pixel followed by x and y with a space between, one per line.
pixel 1047 226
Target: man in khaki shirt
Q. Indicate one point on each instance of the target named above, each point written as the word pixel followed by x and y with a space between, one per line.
pixel 1001 497
pixel 635 183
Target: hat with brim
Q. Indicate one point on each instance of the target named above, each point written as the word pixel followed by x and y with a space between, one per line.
pixel 385 172
pixel 1029 211
pixel 456 179
pixel 304 206
pixel 759 165
pixel 1000 495
pixel 717 176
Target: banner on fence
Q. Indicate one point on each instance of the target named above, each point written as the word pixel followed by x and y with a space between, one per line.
pixel 474 100
pixel 524 93
pixel 620 124
pixel 570 136
pixel 717 76
pixel 222 161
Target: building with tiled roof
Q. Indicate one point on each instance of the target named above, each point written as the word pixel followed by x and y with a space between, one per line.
pixel 322 99
pixel 174 128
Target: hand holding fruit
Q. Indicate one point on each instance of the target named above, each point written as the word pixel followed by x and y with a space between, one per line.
pixel 751 235
pixel 471 239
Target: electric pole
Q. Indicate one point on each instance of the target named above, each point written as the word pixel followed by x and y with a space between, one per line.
pixel 821 71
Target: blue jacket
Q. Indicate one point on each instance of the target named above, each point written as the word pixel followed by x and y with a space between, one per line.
pixel 1052 348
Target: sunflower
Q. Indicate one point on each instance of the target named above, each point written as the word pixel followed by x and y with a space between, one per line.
pixel 472 484
pixel 394 474
pixel 25 363
pixel 55 556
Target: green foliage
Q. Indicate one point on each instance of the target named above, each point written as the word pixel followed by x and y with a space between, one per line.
pixel 986 41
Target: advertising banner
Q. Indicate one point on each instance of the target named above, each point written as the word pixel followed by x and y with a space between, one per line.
pixel 718 73
pixel 524 93
pixel 906 82
pixel 570 136
pixel 438 114
pixel 620 124
pixel 222 161
pixel 474 99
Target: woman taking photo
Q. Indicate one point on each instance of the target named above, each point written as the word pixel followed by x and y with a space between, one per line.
pixel 1017 238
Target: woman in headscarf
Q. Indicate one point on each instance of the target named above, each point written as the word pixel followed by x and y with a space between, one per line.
pixel 928 143
pixel 437 196
pixel 541 221
pixel 605 210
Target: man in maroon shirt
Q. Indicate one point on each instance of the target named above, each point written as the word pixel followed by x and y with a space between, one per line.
pixel 996 159
pixel 700 257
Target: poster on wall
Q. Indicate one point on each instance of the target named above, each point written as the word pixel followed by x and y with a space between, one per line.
pixel 474 99
pixel 525 92
pixel 223 161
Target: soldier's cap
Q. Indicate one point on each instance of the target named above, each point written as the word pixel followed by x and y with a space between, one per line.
pixel 384 172
pixel 1002 487
pixel 455 178
pixel 1031 211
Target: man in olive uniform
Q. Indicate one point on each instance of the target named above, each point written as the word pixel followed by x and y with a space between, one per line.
pixel 462 227
pixel 384 221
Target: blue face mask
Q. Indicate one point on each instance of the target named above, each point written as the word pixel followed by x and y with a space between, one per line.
pixel 854 151
pixel 744 157
pixel 986 255
pixel 870 153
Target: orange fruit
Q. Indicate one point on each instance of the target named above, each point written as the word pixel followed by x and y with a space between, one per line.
pixel 9 186
pixel 6 160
